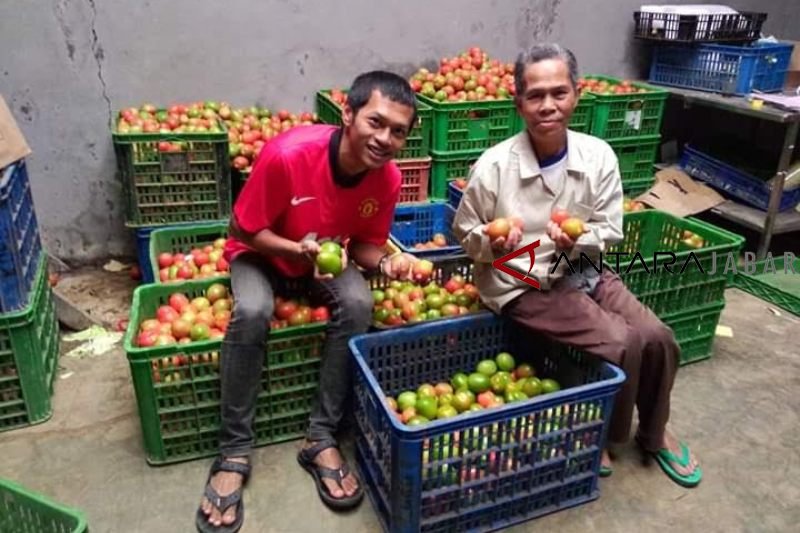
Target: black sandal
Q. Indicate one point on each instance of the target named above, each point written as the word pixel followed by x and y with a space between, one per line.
pixel 223 503
pixel 306 459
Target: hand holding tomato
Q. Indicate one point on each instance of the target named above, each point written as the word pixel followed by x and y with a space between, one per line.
pixel 399 266
pixel 505 234
pixel 565 237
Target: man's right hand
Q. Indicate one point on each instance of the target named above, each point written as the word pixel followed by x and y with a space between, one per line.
pixel 308 250
pixel 507 244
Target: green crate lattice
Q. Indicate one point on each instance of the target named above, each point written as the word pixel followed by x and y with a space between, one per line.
pixel 182 239
pixel 466 126
pixel 651 231
pixel 781 288
pixel 618 116
pixel 179 400
pixel 29 345
pixel 447 167
pixel 695 330
pixel 192 185
pixel 25 511
pixel 636 157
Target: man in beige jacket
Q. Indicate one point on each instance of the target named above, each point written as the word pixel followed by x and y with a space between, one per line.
pixel 530 175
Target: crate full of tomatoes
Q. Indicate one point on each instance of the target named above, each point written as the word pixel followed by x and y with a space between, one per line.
pixel 472 98
pixel 173 345
pixel 623 108
pixel 173 163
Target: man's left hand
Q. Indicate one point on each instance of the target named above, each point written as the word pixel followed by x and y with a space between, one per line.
pixel 401 270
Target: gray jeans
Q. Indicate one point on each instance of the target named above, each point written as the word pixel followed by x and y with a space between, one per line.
pixel 244 347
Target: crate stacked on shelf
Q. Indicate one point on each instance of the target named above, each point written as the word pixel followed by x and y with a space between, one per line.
pixel 687 294
pixel 414 160
pixel 29 340
pixel 713 49
pixel 733 181
pixel 628 116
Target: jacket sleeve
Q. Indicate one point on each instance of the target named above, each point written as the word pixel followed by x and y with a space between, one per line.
pixel 477 209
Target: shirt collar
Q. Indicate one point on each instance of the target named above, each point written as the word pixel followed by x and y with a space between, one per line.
pixel 529 165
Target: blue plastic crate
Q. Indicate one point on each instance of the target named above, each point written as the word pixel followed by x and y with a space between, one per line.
pixel 482 470
pixel 733 181
pixel 418 223
pixel 722 68
pixel 20 244
pixel 454 195
pixel 143 253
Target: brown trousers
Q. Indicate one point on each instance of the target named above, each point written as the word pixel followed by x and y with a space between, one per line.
pixel 612 324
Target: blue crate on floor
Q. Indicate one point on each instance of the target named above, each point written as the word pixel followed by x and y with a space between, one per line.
pixel 454 195
pixel 722 68
pixel 733 181
pixel 418 223
pixel 482 470
pixel 20 243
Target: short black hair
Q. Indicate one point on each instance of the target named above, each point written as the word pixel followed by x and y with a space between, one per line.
pixel 540 52
pixel 392 86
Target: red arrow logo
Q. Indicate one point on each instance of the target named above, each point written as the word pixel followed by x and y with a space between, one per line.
pixel 500 263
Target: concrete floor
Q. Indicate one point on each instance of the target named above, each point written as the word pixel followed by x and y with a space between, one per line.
pixel 739 411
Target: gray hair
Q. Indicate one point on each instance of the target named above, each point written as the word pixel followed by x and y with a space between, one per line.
pixel 541 52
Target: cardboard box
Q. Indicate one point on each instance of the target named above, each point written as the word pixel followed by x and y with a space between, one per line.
pixel 677 193
pixel 12 143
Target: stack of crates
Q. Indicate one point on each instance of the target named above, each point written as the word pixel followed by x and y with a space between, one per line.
pixel 172 179
pixel 414 160
pixel 29 340
pixel 712 48
pixel 631 124
pixel 687 294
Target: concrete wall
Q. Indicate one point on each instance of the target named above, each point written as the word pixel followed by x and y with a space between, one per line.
pixel 66 66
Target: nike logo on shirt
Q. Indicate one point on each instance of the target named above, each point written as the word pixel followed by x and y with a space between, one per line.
pixel 297 201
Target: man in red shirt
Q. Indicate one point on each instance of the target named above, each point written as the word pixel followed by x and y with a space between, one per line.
pixel 309 185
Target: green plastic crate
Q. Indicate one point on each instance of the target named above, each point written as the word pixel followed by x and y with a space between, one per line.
pixel 182 239
pixel 25 511
pixel 29 345
pixel 581 120
pixel 469 126
pixel 448 167
pixel 651 231
pixel 161 188
pixel 781 288
pixel 178 386
pixel 633 188
pixel 695 331
pixel 418 142
pixel 618 116
pixel 636 157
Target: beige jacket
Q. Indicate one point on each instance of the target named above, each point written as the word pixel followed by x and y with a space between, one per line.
pixel 506 181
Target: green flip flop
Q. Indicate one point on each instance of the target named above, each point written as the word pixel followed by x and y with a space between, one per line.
pixel 664 457
pixel 606 471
